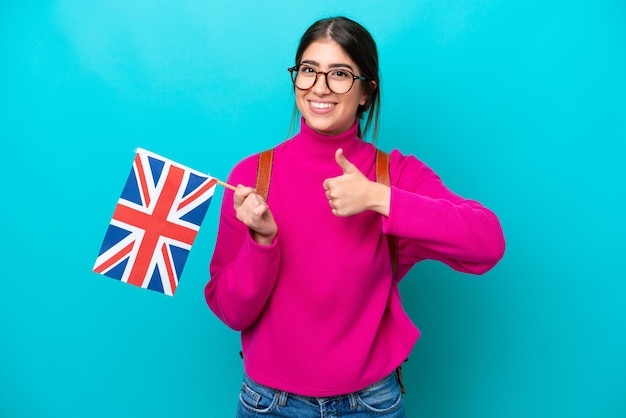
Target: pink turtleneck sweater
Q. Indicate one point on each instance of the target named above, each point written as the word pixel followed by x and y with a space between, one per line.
pixel 319 311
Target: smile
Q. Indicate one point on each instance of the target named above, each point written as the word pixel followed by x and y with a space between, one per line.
pixel 318 105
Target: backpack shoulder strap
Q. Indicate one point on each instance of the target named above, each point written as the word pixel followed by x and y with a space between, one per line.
pixel 382 167
pixel 383 176
pixel 264 172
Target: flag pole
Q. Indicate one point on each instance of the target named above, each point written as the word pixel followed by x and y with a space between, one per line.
pixel 228 186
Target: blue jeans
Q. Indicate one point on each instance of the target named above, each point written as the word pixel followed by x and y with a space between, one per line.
pixel 383 398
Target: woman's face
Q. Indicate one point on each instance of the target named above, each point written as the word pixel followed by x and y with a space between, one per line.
pixel 324 111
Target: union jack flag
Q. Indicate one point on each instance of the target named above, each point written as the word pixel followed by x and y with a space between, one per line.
pixel 155 223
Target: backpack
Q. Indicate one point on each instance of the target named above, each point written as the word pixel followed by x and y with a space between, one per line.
pixel 264 175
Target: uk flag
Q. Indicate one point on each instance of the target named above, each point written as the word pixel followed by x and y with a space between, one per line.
pixel 155 223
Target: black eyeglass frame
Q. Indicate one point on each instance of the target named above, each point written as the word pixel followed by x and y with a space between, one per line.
pixel 294 74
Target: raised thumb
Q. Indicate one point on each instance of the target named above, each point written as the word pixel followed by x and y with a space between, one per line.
pixel 343 162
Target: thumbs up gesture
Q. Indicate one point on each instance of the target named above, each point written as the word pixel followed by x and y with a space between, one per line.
pixel 352 192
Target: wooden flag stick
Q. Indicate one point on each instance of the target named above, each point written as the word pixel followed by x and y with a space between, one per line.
pixel 228 186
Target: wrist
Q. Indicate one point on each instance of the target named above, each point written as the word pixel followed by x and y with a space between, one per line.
pixel 265 240
pixel 380 198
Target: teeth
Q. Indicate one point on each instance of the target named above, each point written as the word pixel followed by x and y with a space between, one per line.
pixel 322 105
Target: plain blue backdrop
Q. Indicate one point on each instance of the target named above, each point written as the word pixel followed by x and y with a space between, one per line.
pixel 518 104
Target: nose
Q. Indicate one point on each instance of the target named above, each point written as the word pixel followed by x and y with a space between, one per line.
pixel 320 86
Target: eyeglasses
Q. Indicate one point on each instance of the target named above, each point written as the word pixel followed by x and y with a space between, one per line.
pixel 338 81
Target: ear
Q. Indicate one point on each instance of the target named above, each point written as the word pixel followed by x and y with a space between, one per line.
pixel 363 99
pixel 365 95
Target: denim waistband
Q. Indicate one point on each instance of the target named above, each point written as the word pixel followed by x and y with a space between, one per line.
pixel 380 398
pixel 284 395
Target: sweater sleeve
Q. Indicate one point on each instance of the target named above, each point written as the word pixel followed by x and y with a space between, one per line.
pixel 243 273
pixel 432 222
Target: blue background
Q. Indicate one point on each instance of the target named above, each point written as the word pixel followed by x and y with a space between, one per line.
pixel 519 104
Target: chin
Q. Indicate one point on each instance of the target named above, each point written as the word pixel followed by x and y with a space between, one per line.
pixel 326 127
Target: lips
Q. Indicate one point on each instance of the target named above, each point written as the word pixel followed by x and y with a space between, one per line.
pixel 322 105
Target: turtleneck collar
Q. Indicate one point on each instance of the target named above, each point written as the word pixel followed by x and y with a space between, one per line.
pixel 319 146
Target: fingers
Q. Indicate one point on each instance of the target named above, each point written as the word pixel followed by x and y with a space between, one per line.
pixel 251 208
pixel 326 185
pixel 327 189
pixel 260 209
pixel 241 194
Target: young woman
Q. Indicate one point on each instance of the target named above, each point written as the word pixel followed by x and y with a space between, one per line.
pixel 307 275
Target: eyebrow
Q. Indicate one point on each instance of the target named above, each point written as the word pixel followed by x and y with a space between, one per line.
pixel 317 64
